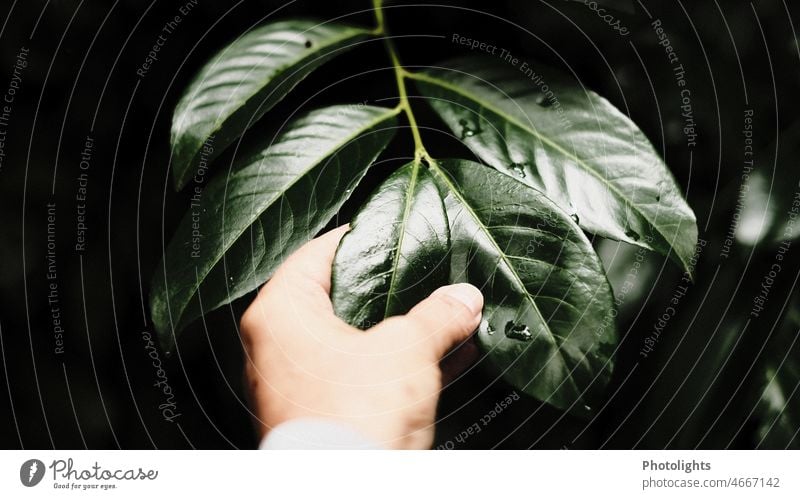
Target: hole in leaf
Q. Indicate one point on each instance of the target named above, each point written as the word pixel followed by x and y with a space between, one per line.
pixel 519 169
pixel 519 332
pixel 632 234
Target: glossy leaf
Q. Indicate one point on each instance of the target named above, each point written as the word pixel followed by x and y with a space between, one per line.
pixel 243 81
pixel 291 189
pixel 396 252
pixel 548 327
pixel 549 132
pixel 235 274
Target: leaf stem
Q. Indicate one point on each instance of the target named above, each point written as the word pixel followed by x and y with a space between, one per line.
pixel 401 74
pixel 377 7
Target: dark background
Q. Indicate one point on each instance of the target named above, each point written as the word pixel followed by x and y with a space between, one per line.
pixel 702 384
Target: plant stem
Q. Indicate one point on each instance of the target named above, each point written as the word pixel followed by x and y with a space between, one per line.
pixel 401 74
pixel 377 7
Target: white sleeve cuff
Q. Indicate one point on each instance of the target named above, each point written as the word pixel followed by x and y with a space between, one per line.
pixel 311 433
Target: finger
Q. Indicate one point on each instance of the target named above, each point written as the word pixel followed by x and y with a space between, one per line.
pixel 459 360
pixel 447 317
pixel 314 259
pixel 302 282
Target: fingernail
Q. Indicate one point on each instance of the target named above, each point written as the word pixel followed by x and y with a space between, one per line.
pixel 467 294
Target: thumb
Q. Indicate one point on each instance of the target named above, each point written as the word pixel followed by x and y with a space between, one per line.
pixel 447 317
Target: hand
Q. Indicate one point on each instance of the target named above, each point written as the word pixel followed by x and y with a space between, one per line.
pixel 303 361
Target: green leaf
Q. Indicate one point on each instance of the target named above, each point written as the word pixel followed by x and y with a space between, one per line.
pixel 291 190
pixel 779 407
pixel 549 132
pixel 244 81
pixel 234 275
pixel 396 253
pixel 548 325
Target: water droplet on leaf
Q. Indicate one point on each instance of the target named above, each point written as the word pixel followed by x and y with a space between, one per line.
pixel 467 129
pixel 519 332
pixel 543 101
pixel 308 44
pixel 587 408
pixel 575 218
pixel 519 169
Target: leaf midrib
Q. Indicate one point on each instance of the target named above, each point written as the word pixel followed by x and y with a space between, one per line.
pixel 351 32
pixel 443 175
pixel 584 166
pixel 409 196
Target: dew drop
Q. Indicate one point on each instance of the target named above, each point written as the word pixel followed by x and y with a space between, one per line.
pixel 519 169
pixel 467 130
pixel 575 218
pixel 486 327
pixel 658 197
pixel 543 101
pixel 308 44
pixel 587 408
pixel 519 332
